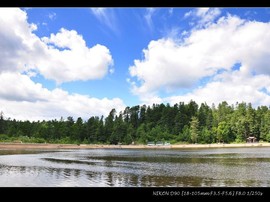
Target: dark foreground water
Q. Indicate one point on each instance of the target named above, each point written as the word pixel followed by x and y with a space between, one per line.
pixel 241 167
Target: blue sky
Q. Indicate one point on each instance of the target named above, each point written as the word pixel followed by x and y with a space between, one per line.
pixel 85 61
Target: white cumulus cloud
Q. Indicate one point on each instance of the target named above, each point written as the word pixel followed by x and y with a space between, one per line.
pixel 62 57
pixel 25 100
pixel 236 86
pixel 76 61
pixel 170 65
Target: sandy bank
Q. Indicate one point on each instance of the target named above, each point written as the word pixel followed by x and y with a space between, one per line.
pixel 95 146
pixel 198 146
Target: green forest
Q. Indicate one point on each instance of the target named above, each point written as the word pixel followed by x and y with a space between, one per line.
pixel 180 123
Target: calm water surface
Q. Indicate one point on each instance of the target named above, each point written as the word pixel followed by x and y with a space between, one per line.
pixel 241 167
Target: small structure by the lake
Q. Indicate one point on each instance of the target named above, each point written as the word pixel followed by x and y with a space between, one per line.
pixel 251 139
pixel 151 143
pixel 159 143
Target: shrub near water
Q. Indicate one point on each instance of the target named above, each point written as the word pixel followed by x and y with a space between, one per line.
pixel 23 139
pixel 3 137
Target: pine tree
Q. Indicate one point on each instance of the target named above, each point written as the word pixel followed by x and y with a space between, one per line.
pixel 2 122
pixel 194 132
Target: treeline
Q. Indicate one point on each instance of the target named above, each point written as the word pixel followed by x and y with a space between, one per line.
pixel 181 122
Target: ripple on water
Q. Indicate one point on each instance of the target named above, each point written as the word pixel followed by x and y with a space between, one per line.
pixel 138 168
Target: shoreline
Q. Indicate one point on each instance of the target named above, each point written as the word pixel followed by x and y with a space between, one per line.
pixel 22 146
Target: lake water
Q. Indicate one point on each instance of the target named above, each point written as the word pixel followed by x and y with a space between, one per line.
pixel 223 167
